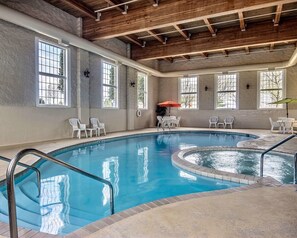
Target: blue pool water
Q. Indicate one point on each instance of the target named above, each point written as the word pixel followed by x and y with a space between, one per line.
pixel 139 167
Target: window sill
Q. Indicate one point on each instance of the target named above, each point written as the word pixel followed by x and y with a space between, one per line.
pixel 52 106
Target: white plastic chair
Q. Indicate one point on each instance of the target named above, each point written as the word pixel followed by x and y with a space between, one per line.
pixel 274 124
pixel 213 121
pixel 96 124
pixel 78 127
pixel 228 121
pixel 288 125
pixel 177 122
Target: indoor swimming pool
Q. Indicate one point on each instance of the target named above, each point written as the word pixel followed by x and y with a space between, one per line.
pixel 139 168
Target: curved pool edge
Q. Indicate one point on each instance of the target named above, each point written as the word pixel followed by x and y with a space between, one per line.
pixel 107 221
pixel 97 225
pixel 72 142
pixel 178 160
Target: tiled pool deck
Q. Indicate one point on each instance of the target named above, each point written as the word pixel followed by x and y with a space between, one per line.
pixel 261 209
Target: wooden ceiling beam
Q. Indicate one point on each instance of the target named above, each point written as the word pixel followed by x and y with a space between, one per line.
pixel 210 27
pixel 169 13
pixel 158 37
pixel 225 52
pixel 227 39
pixel 134 40
pixel 277 14
pixel 186 57
pixel 241 20
pixel 204 54
pixel 184 33
pixel 154 2
pixel 247 50
pixel 82 8
pixel 169 59
pixel 116 2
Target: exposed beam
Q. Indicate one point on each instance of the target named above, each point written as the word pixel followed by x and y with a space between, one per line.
pixel 271 47
pixel 184 33
pixel 157 37
pixel 241 20
pixel 247 50
pixel 186 57
pixel 278 14
pixel 135 40
pixel 116 2
pixel 82 8
pixel 228 38
pixel 225 52
pixel 169 59
pixel 210 27
pixel 154 2
pixel 169 13
pixel 204 54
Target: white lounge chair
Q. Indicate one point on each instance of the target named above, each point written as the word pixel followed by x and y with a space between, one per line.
pixel 78 127
pixel 97 125
pixel 274 124
pixel 213 121
pixel 228 121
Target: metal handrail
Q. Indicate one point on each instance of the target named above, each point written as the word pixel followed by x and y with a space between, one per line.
pixel 10 184
pixel 38 175
pixel 295 169
pixel 271 148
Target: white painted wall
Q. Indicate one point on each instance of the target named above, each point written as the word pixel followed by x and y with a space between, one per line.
pixel 20 120
pixel 246 116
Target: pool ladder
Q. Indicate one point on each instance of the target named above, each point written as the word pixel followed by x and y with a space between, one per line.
pixel 38 177
pixel 273 147
pixel 10 183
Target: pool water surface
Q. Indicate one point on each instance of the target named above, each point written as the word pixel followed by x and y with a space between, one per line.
pixel 139 167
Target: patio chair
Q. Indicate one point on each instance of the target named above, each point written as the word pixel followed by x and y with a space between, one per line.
pixel 228 121
pixel 213 121
pixel 175 122
pixel 78 127
pixel 288 125
pixel 160 121
pixel 96 124
pixel 274 124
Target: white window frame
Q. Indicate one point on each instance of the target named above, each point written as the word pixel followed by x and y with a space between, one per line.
pixel 197 92
pixel 236 91
pixel 281 106
pixel 145 90
pixel 66 77
pixel 116 86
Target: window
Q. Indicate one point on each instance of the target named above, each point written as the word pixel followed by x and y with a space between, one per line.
pixel 110 85
pixel 226 96
pixel 271 88
pixel 52 75
pixel 142 96
pixel 188 92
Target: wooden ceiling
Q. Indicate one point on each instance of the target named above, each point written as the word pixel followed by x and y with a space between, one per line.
pixel 171 29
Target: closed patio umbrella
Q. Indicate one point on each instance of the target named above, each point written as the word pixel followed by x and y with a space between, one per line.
pixel 286 101
pixel 169 104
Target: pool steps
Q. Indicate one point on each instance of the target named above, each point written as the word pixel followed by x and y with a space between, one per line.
pixel 29 210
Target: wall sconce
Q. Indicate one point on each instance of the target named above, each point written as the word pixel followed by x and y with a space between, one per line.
pixel 247 86
pixel 132 84
pixel 206 88
pixel 87 73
